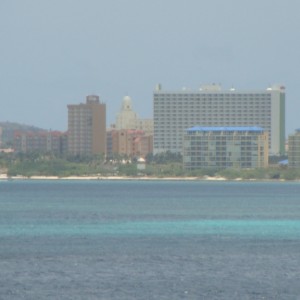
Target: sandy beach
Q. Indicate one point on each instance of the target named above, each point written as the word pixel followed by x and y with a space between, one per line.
pixel 136 178
pixel 19 177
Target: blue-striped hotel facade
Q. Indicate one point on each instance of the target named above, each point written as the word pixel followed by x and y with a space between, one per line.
pixel 225 147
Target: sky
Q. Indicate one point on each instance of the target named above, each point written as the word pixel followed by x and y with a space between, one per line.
pixel 55 53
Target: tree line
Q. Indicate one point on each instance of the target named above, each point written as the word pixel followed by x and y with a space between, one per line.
pixel 160 165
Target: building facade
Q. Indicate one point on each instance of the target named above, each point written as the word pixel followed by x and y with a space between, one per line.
pixel 133 143
pixel 225 147
pixel 294 150
pixel 175 111
pixel 40 142
pixel 87 127
pixel 128 119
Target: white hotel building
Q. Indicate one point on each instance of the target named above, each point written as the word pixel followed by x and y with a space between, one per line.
pixel 210 106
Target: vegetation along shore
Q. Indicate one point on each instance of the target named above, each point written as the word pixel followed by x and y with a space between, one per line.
pixel 48 166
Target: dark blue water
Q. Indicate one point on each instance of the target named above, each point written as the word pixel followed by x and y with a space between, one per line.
pixel 149 240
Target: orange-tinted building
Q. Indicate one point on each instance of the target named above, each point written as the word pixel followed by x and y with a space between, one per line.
pixel 130 142
pixel 42 142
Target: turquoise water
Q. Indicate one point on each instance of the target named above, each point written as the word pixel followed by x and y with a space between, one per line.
pixel 283 229
pixel 149 240
pixel 150 208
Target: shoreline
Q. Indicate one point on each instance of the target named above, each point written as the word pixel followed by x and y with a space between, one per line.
pixel 141 178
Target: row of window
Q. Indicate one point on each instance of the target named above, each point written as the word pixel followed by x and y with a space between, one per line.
pixel 212 95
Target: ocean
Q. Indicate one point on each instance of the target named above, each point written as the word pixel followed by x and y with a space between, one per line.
pixel 123 239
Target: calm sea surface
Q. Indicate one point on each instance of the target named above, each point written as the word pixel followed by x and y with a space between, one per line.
pixel 149 240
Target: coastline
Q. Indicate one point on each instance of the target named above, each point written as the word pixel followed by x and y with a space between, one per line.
pixel 141 178
pixel 20 177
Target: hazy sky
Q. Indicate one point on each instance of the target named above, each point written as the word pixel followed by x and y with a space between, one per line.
pixel 54 53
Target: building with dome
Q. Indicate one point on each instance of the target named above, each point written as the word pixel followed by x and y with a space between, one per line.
pixel 130 135
pixel 128 119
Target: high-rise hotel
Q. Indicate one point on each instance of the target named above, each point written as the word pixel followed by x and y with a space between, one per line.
pixel 87 127
pixel 210 106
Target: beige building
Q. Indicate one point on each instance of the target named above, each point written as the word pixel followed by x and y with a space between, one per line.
pixel 225 147
pixel 146 125
pixel 40 142
pixel 128 119
pixel 87 127
pixel 294 150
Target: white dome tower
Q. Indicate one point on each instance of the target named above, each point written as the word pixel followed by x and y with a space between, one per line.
pixel 126 104
pixel 127 118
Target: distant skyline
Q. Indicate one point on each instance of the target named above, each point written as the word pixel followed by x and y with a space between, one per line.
pixel 55 53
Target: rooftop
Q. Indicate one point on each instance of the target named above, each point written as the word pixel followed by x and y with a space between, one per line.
pixel 217 88
pixel 199 128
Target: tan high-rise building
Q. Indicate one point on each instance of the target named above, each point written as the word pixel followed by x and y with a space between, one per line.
pixel 87 127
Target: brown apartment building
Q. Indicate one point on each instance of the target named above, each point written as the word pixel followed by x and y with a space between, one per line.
pixel 87 127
